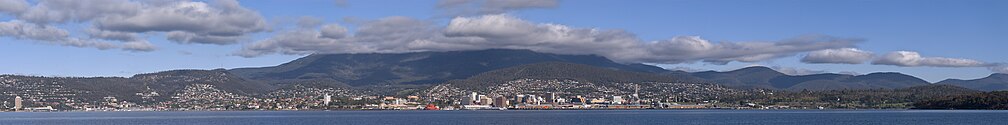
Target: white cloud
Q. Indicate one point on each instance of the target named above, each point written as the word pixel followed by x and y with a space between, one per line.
pixel 796 71
pixel 141 46
pixel 222 22
pixel 60 11
pixel 913 59
pixel 840 56
pixel 111 35
pixel 480 7
pixel 402 34
pixel 333 31
pixel 22 30
pixel 189 37
pixel 190 22
pixel 87 43
pixel 1001 68
pixel 47 34
pixel 692 48
pixel 13 6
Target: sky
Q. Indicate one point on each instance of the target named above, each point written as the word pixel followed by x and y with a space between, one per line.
pixel 930 39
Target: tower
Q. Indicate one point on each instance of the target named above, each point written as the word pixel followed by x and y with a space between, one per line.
pixel 17 103
pixel 636 96
pixel 552 99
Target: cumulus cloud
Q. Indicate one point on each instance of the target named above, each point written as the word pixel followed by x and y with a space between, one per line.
pixel 999 68
pixel 141 46
pixel 913 59
pixel 51 35
pixel 692 48
pixel 190 22
pixel 13 6
pixel 60 11
pixel 480 7
pixel 22 30
pixel 111 35
pixel 403 34
pixel 796 71
pixel 221 22
pixel 840 56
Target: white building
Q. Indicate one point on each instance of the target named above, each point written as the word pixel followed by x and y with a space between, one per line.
pixel 617 100
pixel 471 99
pixel 327 99
pixel 17 103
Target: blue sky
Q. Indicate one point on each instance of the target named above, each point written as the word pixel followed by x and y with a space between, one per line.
pixel 970 30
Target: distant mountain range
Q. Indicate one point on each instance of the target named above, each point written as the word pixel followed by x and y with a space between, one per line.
pixel 164 83
pixel 422 69
pixel 763 77
pixel 994 82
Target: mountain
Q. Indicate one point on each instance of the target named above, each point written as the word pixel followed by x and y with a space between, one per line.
pixel 764 77
pixel 166 84
pixel 749 77
pixel 566 71
pixel 994 82
pixel 417 67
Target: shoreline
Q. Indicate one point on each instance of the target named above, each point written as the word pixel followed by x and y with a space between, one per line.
pixel 367 110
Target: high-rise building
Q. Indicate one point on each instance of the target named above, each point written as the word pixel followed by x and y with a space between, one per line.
pixel 500 101
pixel 519 99
pixel 470 99
pixel 484 100
pixel 17 103
pixel 552 99
pixel 326 99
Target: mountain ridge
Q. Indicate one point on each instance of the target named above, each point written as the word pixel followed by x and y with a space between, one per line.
pixel 993 82
pixel 417 67
pixel 768 78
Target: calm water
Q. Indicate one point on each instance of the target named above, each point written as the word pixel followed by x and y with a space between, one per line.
pixel 619 117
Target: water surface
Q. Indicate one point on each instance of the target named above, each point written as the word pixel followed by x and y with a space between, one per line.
pixel 579 117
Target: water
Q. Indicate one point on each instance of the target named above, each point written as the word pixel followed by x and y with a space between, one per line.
pixel 586 117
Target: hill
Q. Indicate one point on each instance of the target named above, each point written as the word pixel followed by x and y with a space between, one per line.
pixel 994 82
pixel 166 84
pixel 764 77
pixel 988 100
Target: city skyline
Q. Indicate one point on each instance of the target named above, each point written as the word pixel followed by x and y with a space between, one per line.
pixel 927 39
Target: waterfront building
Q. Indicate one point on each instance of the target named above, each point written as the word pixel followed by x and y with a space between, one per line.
pixel 484 100
pixel 617 100
pixel 519 99
pixel 471 99
pixel 17 103
pixel 531 100
pixel 501 102
pixel 552 99
pixel 327 99
pixel 413 98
